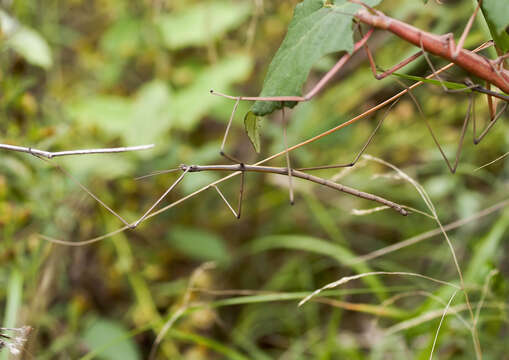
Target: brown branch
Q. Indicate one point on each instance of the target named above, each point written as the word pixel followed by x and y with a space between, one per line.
pixel 440 45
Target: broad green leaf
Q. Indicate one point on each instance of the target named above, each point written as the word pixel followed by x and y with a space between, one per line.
pixel 25 41
pixel 317 29
pixel 199 245
pixel 496 13
pixel 110 340
pixel 199 24
pixel 252 125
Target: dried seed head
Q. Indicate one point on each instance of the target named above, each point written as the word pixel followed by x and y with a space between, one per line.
pixel 14 338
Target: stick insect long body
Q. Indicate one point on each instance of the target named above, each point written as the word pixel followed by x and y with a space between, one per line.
pixel 286 171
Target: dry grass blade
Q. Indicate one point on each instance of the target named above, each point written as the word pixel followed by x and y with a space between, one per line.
pixel 425 197
pixel 429 234
pixel 347 279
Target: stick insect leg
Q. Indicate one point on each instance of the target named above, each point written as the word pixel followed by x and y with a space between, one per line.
pixel 238 212
pixel 362 150
pixel 452 168
pixel 179 179
pixel 470 112
pixel 499 65
pixel 493 120
pixel 491 106
pixel 458 47
pixel 288 165
pixel 391 70
pixel 85 189
pixel 221 152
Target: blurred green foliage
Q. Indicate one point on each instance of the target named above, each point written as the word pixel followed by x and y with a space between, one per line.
pixel 103 73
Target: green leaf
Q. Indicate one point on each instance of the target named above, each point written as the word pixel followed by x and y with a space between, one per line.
pixel 252 126
pixel 317 29
pixel 448 84
pixel 25 41
pixel 110 340
pixel 496 13
pixel 199 245
pixel 200 24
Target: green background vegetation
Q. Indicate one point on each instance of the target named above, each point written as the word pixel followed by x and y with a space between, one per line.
pixel 103 73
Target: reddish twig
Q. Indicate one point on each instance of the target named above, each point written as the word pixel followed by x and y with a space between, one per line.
pixel 440 45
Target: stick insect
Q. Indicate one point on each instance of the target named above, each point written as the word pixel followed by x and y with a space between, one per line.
pixel 214 184
pixel 426 41
pixel 492 71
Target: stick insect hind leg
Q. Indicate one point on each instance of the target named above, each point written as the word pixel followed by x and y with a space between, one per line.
pixel 103 204
pixel 494 116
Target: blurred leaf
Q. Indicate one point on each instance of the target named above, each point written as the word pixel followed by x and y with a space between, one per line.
pixel 317 29
pixel 226 351
pixel 110 340
pixel 200 24
pixel 496 13
pixel 122 38
pixel 144 119
pixel 107 112
pixel 25 41
pixel 310 244
pixel 252 125
pixel 150 119
pixel 105 166
pixel 199 244
pixel 486 250
pixel 13 303
pixel 195 101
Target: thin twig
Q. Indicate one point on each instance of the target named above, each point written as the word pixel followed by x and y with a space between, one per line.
pixel 49 154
